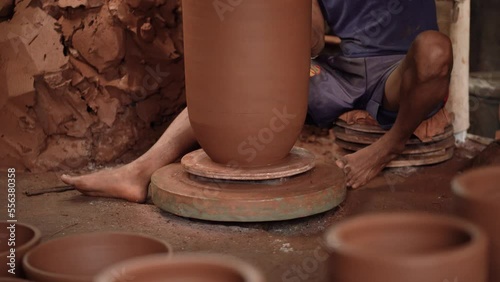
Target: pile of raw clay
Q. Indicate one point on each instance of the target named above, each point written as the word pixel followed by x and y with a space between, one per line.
pixel 86 82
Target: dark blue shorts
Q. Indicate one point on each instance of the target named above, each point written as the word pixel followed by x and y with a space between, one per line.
pixel 339 84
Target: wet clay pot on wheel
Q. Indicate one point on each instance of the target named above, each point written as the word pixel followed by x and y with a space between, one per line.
pixel 182 268
pixel 477 199
pixel 247 77
pixel 78 258
pixel 409 247
pixel 27 237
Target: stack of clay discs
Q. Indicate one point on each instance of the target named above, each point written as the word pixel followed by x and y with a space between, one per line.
pixel 354 137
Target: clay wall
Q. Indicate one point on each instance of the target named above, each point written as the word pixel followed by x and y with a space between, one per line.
pixel 87 82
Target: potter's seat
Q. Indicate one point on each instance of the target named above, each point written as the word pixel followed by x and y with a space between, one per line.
pixel 433 141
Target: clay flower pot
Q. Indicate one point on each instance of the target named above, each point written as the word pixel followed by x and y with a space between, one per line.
pixel 78 258
pixel 26 237
pixel 477 198
pixel 188 267
pixel 247 76
pixel 409 247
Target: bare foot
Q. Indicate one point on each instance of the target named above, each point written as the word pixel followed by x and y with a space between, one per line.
pixel 366 164
pixel 124 182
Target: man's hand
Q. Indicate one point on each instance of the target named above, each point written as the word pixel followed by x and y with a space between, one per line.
pixel 318 29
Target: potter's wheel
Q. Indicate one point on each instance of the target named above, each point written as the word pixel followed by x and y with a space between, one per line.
pixel 316 190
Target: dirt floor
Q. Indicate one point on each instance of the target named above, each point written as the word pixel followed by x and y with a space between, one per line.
pixel 284 251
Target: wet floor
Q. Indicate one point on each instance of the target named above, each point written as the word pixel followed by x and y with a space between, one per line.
pixel 288 251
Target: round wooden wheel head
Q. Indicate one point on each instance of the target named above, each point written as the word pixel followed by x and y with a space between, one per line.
pixel 199 163
pixel 318 190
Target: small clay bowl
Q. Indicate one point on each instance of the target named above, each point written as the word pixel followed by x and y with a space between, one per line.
pixel 182 268
pixel 477 199
pixel 409 247
pixel 27 237
pixel 78 258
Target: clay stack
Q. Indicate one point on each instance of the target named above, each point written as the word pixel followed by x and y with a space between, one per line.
pixel 432 143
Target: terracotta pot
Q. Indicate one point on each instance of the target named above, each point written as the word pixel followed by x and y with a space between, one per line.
pixel 409 247
pixel 26 237
pixel 477 198
pixel 182 268
pixel 247 76
pixel 78 258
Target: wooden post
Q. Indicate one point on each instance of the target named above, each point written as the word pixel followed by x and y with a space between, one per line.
pixel 459 88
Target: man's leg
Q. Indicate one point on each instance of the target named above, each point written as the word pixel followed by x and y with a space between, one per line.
pixel 414 89
pixel 130 182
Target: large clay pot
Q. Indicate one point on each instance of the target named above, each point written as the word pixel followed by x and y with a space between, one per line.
pixel 407 247
pixel 477 198
pixel 78 258
pixel 182 268
pixel 26 237
pixel 247 75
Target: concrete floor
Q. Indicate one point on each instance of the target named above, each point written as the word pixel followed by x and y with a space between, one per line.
pixel 284 251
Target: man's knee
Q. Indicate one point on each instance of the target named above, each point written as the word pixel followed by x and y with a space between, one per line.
pixel 433 55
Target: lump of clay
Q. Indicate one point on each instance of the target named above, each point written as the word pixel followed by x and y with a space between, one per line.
pixel 82 86
pixel 100 42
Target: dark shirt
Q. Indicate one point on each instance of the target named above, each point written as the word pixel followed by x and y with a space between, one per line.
pixel 378 27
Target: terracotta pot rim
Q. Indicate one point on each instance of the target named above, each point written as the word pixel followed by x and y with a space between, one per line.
pixel 461 190
pixel 37 236
pixel 336 243
pixel 27 266
pixel 247 270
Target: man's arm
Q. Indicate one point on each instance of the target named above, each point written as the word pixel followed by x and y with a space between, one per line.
pixel 318 29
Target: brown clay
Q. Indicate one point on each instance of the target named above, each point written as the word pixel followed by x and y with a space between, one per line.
pixel 27 237
pixel 183 268
pixel 247 76
pixel 79 258
pixel 477 198
pixel 409 247
pixel 4 279
pixel 84 80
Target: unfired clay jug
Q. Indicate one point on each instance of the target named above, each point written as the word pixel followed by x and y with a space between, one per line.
pixel 247 74
pixel 26 237
pixel 477 198
pixel 409 247
pixel 182 268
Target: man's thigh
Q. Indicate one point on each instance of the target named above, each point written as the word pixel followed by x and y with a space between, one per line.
pixel 392 92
